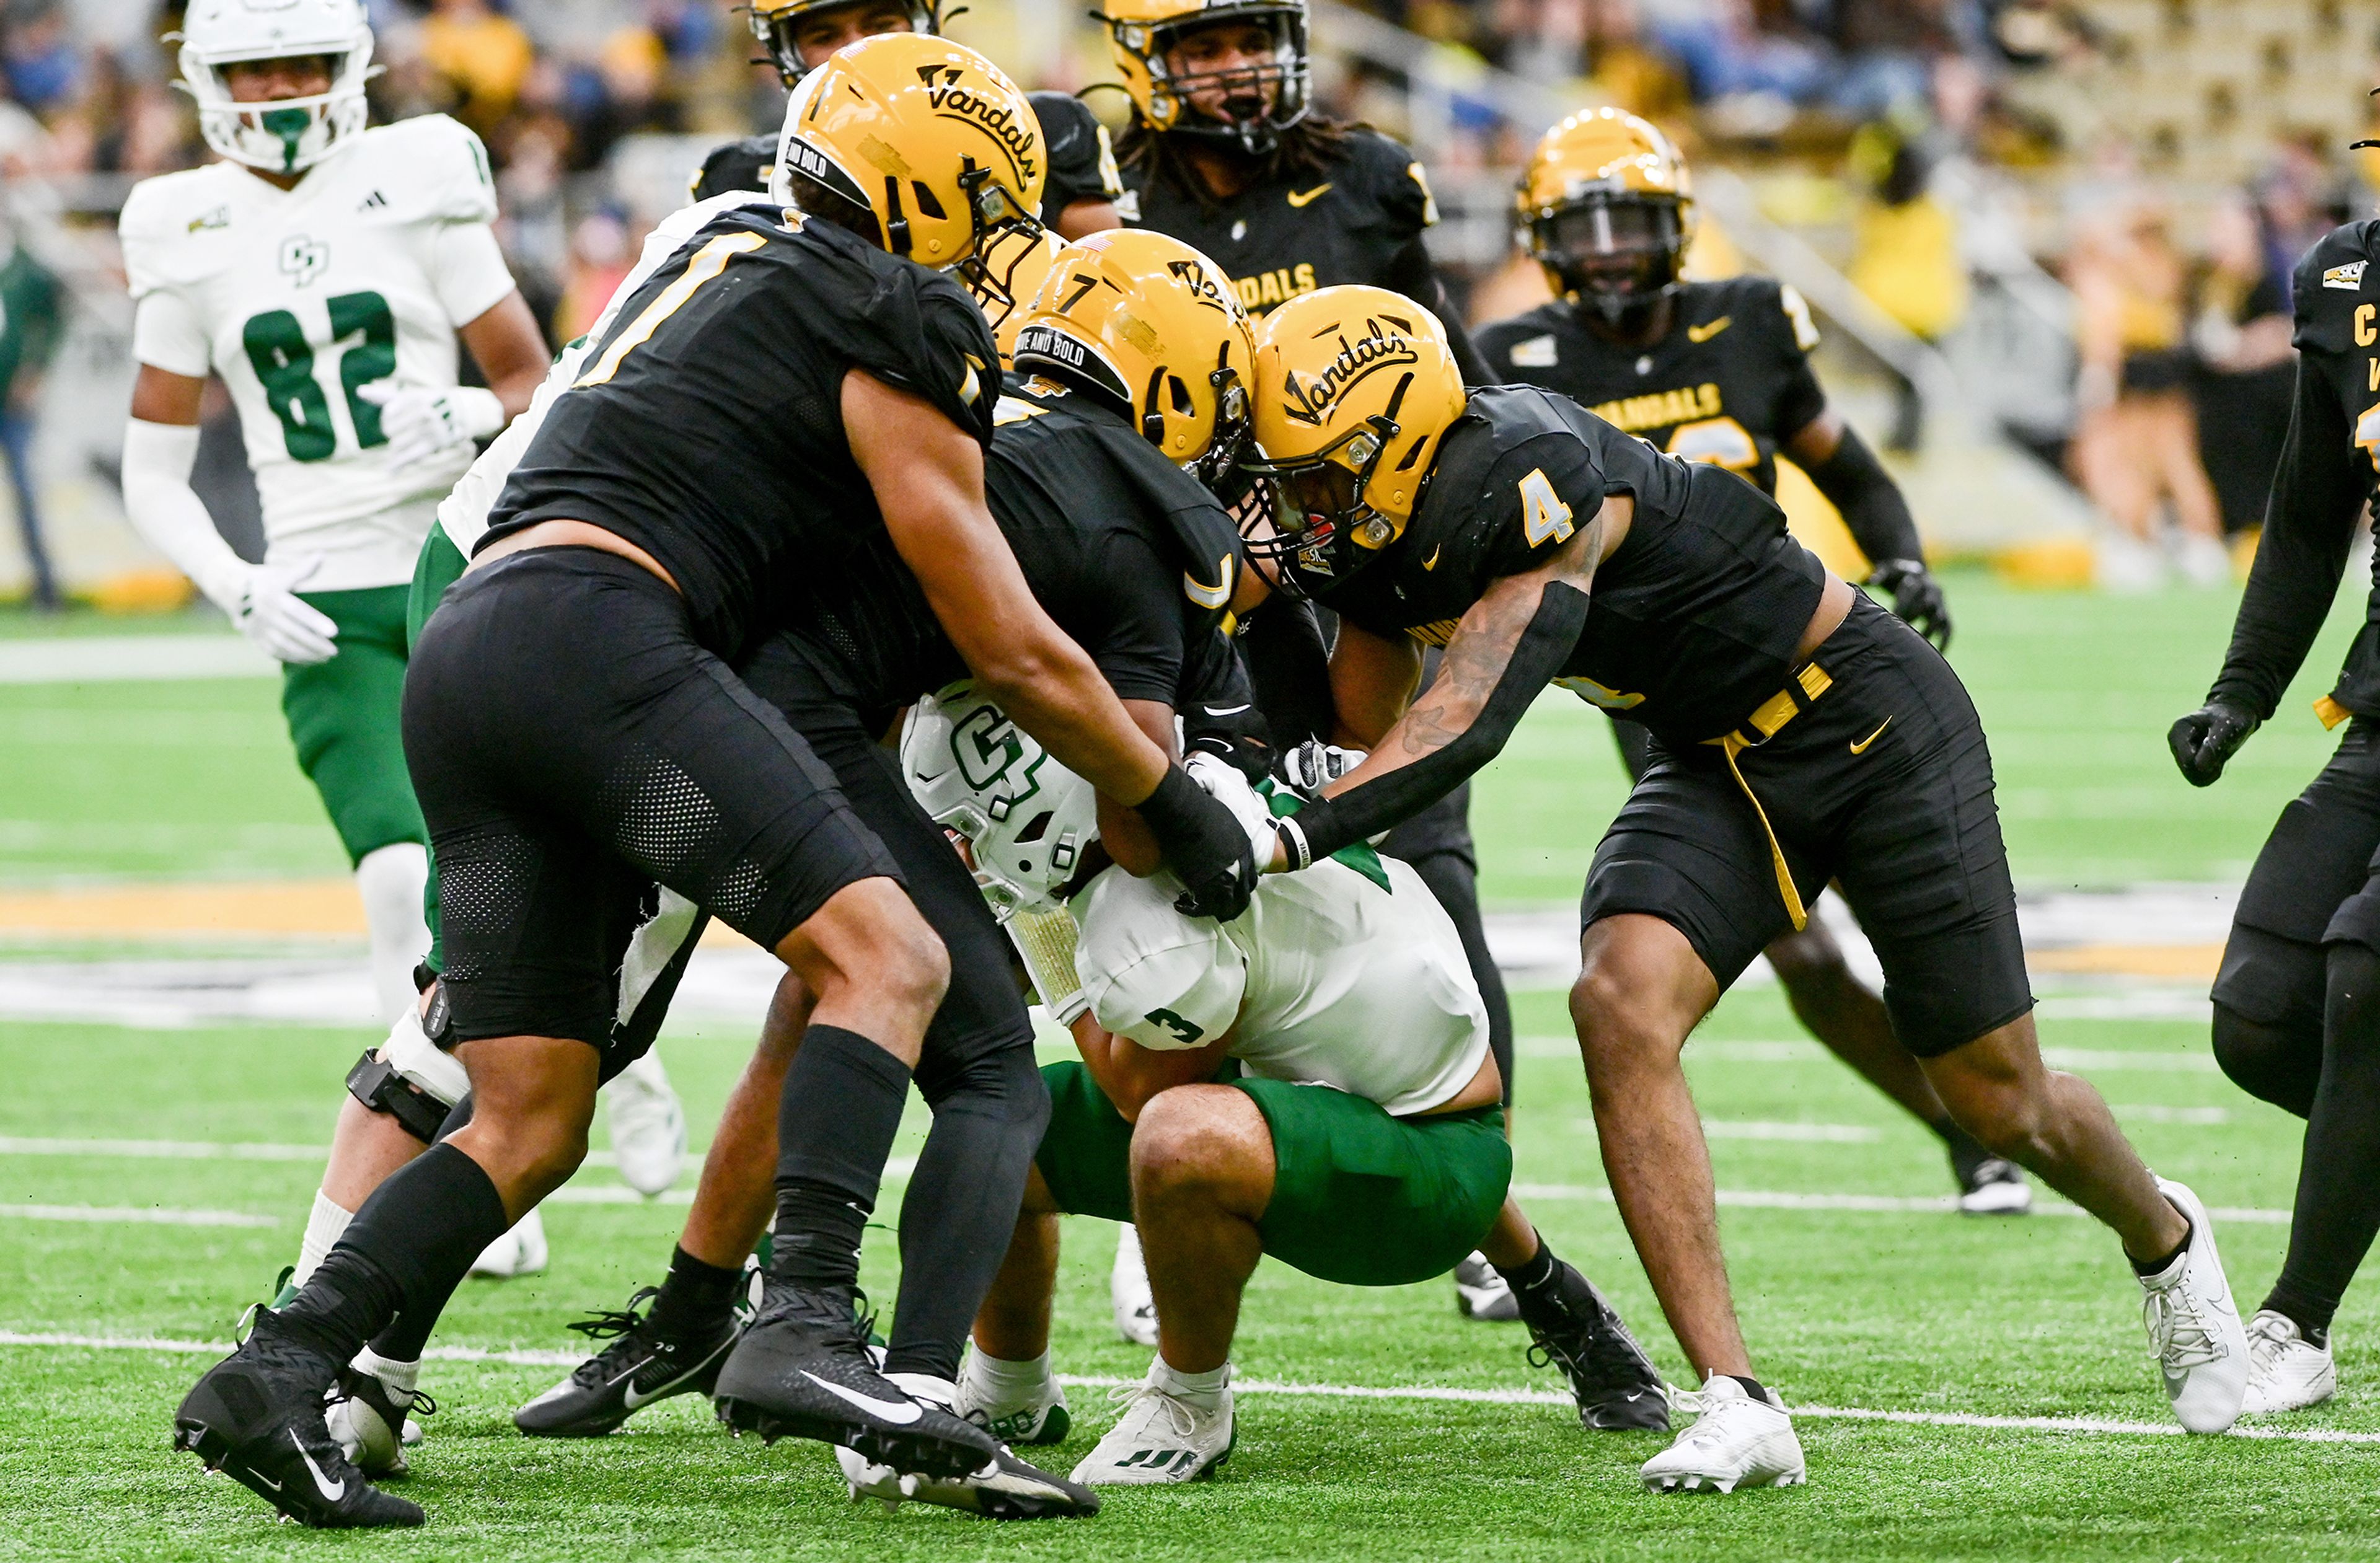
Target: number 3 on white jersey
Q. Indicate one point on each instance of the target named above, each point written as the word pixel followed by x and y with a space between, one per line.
pixel 1543 513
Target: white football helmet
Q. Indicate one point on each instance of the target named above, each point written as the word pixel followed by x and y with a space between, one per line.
pixel 1027 819
pixel 288 134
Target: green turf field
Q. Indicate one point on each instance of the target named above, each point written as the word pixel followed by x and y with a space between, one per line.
pixel 1963 1322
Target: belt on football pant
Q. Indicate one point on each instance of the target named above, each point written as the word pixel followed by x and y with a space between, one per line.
pixel 1768 720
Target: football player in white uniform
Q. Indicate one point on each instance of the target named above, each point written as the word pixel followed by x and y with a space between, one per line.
pixel 1311 1080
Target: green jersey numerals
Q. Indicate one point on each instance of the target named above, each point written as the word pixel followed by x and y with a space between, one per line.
pixel 283 360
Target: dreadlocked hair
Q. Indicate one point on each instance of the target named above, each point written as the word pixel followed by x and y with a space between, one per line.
pixel 1311 147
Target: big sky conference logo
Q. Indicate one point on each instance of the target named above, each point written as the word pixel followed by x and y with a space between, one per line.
pixel 949 96
pixel 1385 342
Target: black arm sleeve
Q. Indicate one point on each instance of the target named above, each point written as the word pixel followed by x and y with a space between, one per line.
pixel 1374 807
pixel 2309 523
pixel 1412 272
pixel 1871 501
pixel 1290 666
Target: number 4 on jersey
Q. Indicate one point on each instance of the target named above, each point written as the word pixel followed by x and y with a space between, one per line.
pixel 1543 513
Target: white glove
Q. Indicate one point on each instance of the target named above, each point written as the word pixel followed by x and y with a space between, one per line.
pixel 423 423
pixel 284 626
pixel 1222 781
pixel 1314 765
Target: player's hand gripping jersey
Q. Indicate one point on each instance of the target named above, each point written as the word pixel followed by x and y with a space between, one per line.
pixel 313 304
pixel 1728 384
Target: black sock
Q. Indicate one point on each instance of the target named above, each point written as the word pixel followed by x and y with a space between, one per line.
pixel 2151 1267
pixel 2338 1208
pixel 835 1122
pixel 697 1298
pixel 403 1255
pixel 1534 1274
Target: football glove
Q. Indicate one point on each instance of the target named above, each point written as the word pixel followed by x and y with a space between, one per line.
pixel 1314 765
pixel 282 624
pixel 1916 597
pixel 421 423
pixel 2205 741
pixel 1204 844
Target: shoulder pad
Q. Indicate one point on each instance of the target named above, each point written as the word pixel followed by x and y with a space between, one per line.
pixel 431 168
pixel 1389 173
pixel 172 227
pixel 1205 543
pixel 737 165
pixel 2331 283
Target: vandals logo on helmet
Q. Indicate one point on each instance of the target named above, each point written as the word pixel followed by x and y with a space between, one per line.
pixel 1385 342
pixel 1201 281
pixel 949 95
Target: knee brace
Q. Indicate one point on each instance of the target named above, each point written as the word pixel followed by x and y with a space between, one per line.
pixel 410 1079
pixel 2273 1062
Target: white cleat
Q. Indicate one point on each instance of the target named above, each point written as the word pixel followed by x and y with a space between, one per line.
pixel 1480 1293
pixel 648 1127
pixel 1159 1439
pixel 520 1251
pixel 2286 1371
pixel 1006 1488
pixel 1134 1303
pixel 1734 1441
pixel 365 1411
pixel 1040 1416
pixel 1995 1187
pixel 2194 1326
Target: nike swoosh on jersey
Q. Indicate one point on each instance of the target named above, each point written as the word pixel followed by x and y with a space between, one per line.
pixel 1300 199
pixel 1225 711
pixel 1861 748
pixel 1431 563
pixel 1705 332
pixel 899 1412
pixel 332 1491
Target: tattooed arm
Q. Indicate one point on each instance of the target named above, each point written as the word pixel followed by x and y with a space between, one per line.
pixel 1510 645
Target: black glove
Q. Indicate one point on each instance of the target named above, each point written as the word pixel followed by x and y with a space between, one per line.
pixel 1916 597
pixel 1204 844
pixel 2205 741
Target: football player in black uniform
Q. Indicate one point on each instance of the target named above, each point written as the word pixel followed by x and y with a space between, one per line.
pixel 1079 192
pixel 791 386
pixel 1802 734
pixel 2297 999
pixel 1719 371
pixel 1226 153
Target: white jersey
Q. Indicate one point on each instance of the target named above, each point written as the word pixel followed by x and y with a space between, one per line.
pixel 1329 978
pixel 462 514
pixel 300 299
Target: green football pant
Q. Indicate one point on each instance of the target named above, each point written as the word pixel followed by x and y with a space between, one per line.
pixel 439 565
pixel 345 718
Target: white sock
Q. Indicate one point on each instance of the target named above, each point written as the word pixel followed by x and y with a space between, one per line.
pixel 324 1225
pixel 402 1378
pixel 1009 1382
pixel 391 879
pixel 1203 1390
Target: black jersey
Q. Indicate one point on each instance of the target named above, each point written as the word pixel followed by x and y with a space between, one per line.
pixel 2328 473
pixel 1730 383
pixel 1291 233
pixel 1691 624
pixel 1082 161
pixel 1130 556
pixel 707 427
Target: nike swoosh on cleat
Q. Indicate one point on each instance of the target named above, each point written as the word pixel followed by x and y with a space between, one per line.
pixel 899 1412
pixel 632 1400
pixel 1301 199
pixel 332 1491
pixel 1861 748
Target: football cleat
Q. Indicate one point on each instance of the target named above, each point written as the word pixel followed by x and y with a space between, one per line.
pixel 648 1127
pixel 1734 1441
pixel 520 1251
pixel 2286 1371
pixel 1480 1293
pixel 643 1363
pixel 2194 1326
pixel 1128 1291
pixel 1991 1185
pixel 257 1415
pixel 1161 1440
pixel 802 1371
pixel 367 1410
pixel 1613 1381
pixel 1008 1488
pixel 1040 1417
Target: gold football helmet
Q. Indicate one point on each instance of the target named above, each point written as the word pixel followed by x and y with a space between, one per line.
pixel 1156 328
pixel 777 24
pixel 1025 259
pixel 1354 387
pixel 1605 207
pixel 1260 100
pixel 930 139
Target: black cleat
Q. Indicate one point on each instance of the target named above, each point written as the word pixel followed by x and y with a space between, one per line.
pixel 802 1371
pixel 258 1415
pixel 1573 1328
pixel 642 1364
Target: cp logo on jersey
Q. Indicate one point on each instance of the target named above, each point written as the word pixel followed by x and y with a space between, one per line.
pixel 304 259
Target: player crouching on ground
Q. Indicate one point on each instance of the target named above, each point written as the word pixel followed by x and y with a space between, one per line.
pixel 1313 1082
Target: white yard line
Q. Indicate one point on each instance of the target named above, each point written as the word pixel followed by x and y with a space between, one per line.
pixel 2067 1425
pixel 113 659
pixel 1769 1199
pixel 137 1215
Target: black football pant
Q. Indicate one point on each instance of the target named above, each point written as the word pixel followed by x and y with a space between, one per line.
pixel 2297 1016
